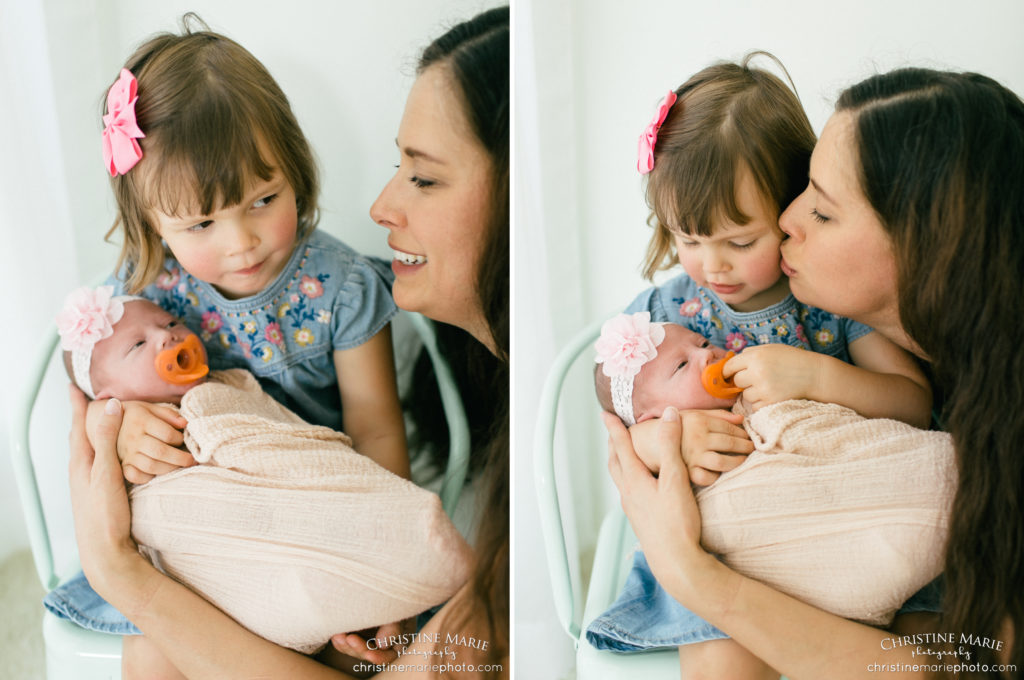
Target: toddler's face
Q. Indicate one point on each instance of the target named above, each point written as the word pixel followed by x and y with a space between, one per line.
pixel 239 249
pixel 124 364
pixel 740 263
pixel 672 378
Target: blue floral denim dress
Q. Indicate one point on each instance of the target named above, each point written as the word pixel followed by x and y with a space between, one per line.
pixel 644 616
pixel 328 297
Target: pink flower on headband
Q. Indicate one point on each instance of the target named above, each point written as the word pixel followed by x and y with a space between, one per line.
pixel 88 316
pixel 645 155
pixel 627 342
pixel 120 150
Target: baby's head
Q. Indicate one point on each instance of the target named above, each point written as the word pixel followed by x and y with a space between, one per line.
pixel 732 152
pixel 113 344
pixel 194 124
pixel 646 367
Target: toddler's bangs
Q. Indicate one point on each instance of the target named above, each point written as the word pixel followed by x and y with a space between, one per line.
pixel 692 192
pixel 207 160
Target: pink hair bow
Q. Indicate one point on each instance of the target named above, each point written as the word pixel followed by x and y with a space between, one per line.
pixel 645 155
pixel 120 150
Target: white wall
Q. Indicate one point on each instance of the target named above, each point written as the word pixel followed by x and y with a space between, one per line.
pixel 595 70
pixel 346 67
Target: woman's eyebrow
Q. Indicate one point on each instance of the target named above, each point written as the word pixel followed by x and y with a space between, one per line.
pixel 412 152
pixel 822 192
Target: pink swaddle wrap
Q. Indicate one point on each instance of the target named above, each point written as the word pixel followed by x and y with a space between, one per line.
pixel 843 512
pixel 289 530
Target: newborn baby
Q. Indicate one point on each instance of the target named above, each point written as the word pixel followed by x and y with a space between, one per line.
pixel 846 513
pixel 284 526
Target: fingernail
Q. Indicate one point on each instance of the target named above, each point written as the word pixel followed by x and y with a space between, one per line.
pixel 670 415
pixel 113 407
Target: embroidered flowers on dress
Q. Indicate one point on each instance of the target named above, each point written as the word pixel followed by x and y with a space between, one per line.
pixel 690 307
pixel 735 341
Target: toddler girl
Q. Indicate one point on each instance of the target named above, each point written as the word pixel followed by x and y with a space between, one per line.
pixel 397 554
pixel 725 153
pixel 216 192
pixel 801 513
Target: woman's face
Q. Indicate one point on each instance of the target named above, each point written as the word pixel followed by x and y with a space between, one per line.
pixel 837 256
pixel 437 206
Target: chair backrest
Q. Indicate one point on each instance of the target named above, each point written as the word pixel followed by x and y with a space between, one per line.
pixel 39 534
pixel 564 582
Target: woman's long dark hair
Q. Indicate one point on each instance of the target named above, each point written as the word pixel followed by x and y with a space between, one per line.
pixel 476 53
pixel 942 163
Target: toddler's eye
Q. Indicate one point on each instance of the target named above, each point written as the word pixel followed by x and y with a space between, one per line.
pixel 688 244
pixel 742 246
pixel 201 226
pixel 265 201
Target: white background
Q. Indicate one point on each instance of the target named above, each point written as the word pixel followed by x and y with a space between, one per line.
pixel 345 66
pixel 588 77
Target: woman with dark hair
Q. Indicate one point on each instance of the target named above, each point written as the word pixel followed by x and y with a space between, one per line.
pixel 913 223
pixel 447 213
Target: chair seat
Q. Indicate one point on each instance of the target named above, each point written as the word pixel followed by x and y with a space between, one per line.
pixel 612 561
pixel 74 652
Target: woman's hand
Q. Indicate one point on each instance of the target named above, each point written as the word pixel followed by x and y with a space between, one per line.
pixel 662 509
pixel 769 374
pixel 98 497
pixel 384 651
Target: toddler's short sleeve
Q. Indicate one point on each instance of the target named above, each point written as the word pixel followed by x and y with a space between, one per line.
pixel 854 330
pixel 364 304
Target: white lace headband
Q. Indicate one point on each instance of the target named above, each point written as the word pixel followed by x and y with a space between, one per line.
pixel 87 317
pixel 627 342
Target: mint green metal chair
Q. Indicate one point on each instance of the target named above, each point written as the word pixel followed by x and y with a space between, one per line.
pixel 73 653
pixel 612 557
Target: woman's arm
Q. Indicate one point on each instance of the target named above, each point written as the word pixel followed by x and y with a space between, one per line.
pixel 370 404
pixel 794 638
pixel 198 638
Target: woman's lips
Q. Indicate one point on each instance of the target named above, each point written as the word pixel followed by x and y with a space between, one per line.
pixel 406 263
pixel 786 269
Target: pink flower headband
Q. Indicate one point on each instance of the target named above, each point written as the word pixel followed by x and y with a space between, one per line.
pixel 627 342
pixel 120 150
pixel 88 316
pixel 645 155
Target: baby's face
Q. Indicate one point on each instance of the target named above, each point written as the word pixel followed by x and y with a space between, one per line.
pixel 124 364
pixel 672 378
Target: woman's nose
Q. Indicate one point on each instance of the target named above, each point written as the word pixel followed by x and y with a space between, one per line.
pixel 788 221
pixel 383 210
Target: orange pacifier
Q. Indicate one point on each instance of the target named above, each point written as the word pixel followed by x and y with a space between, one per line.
pixel 184 363
pixel 715 383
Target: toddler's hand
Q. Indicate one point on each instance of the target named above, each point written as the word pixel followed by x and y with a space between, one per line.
pixel 146 444
pixel 769 374
pixel 712 443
